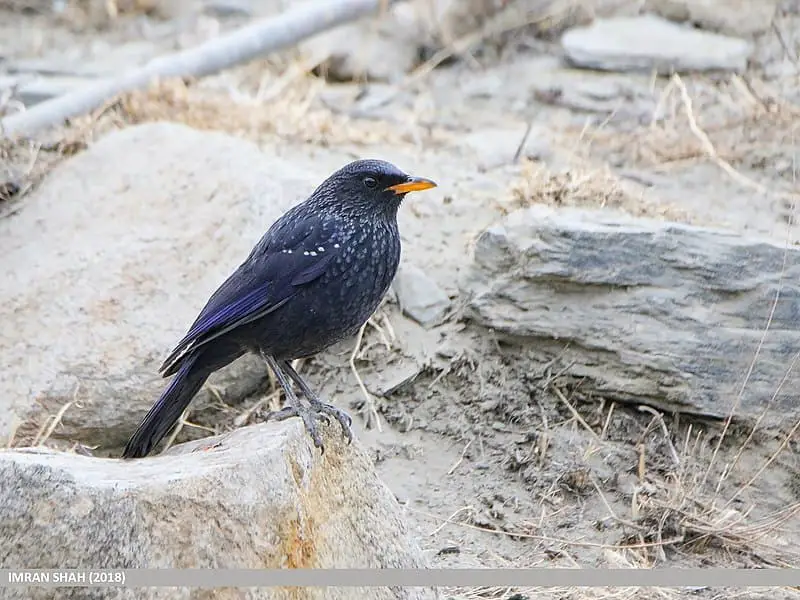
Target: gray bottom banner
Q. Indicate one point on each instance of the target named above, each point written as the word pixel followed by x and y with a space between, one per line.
pixel 214 578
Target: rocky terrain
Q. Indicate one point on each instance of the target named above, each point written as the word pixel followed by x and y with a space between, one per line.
pixel 587 358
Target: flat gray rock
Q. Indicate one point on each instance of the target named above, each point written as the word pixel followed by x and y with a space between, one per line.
pixel 419 296
pixel 259 497
pixel 107 264
pixel 651 311
pixel 648 42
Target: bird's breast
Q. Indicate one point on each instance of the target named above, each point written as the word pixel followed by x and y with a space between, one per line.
pixel 363 270
pixel 333 307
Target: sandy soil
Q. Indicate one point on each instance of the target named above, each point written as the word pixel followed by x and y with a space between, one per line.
pixel 500 459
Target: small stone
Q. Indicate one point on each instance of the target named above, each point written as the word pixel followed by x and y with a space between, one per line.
pixel 398 375
pixel 647 43
pixel 420 297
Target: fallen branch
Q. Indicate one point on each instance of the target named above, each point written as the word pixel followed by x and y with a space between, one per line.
pixel 269 35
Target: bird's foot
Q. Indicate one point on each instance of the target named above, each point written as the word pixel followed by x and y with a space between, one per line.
pixel 345 420
pixel 311 415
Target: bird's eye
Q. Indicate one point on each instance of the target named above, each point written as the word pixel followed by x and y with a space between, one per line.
pixel 370 182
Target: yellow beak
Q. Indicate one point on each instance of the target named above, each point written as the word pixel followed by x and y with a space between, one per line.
pixel 414 184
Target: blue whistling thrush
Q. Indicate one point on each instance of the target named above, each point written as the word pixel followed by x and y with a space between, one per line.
pixel 312 280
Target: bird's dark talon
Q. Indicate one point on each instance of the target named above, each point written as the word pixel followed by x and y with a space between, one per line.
pixel 310 417
pixel 345 420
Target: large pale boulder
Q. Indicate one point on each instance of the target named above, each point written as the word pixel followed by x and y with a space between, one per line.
pixel 259 497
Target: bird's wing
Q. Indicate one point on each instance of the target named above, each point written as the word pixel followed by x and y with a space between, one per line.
pixel 285 259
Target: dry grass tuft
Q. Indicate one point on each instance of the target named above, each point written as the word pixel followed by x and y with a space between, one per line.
pixel 702 520
pixel 285 107
pixel 23 164
pixel 739 125
pixel 585 187
pixel 565 593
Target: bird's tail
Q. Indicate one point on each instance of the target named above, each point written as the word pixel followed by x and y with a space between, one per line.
pixel 168 409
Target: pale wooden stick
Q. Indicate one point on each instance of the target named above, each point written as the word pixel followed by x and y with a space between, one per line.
pixel 247 43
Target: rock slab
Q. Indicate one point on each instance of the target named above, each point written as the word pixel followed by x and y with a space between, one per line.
pixel 649 311
pixel 259 497
pixel 110 260
pixel 647 43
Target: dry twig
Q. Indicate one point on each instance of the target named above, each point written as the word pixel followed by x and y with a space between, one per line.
pixel 372 413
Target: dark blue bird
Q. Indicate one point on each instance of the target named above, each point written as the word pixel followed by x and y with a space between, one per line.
pixel 313 280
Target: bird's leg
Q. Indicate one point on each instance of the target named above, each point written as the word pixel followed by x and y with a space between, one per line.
pixel 317 404
pixel 310 415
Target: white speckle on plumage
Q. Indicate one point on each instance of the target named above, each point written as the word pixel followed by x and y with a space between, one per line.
pixel 305 253
pixel 336 245
pixel 320 249
pixel 312 253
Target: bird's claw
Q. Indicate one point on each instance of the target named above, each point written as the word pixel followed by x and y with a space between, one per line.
pixel 345 420
pixel 310 415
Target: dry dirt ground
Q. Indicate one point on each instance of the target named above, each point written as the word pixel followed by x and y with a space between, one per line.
pixel 498 457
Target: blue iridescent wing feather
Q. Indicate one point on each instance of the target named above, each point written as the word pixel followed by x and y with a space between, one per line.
pixel 270 277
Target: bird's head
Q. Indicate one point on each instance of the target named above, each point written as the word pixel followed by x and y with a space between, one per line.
pixel 369 187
